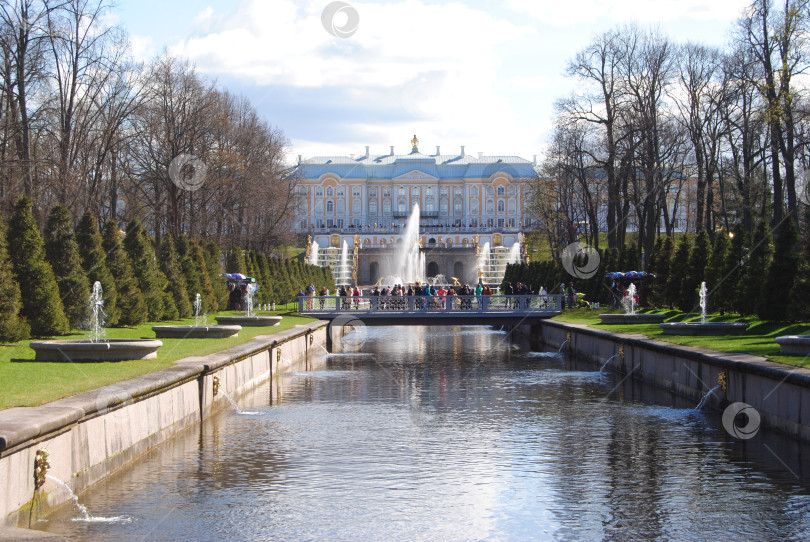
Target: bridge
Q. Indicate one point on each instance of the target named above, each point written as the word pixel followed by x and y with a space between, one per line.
pixel 428 310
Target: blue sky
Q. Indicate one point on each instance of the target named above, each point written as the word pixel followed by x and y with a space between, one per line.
pixel 480 74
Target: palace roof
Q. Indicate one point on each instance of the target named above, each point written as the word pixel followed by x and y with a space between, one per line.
pixel 390 166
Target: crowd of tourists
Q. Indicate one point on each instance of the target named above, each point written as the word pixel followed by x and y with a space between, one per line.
pixel 436 297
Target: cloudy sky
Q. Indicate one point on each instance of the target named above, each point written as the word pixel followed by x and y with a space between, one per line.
pixel 483 74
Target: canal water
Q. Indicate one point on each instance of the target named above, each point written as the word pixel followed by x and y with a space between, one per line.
pixel 454 434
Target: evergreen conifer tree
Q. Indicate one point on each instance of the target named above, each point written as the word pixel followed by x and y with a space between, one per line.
pixel 130 303
pixel 170 266
pixel 695 272
pixel 235 262
pixel 715 272
pixel 42 306
pixel 190 271
pixel 206 288
pixel 733 268
pixel 94 263
pixel 680 260
pixel 781 274
pixel 62 253
pixel 214 265
pixel 12 326
pixel 753 276
pixel 144 265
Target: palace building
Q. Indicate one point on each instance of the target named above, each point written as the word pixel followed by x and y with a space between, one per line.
pixel 464 201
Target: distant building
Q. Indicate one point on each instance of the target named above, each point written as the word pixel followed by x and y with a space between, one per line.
pixel 463 200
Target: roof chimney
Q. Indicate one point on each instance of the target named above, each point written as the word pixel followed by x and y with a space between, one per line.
pixel 462 151
pixel 437 151
pixel 480 155
pixel 392 150
pixel 366 151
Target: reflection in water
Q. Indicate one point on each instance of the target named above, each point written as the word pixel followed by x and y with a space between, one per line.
pixel 456 435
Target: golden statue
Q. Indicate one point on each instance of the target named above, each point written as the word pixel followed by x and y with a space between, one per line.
pixel 415 143
pixel 309 248
pixel 356 240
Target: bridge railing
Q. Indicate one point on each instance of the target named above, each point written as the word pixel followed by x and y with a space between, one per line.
pixel 499 304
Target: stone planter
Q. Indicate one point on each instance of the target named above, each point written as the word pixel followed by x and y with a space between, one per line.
pixel 707 328
pixel 69 350
pixel 612 319
pixel 248 321
pixel 196 332
pixel 797 345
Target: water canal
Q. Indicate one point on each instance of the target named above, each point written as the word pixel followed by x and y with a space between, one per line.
pixel 454 434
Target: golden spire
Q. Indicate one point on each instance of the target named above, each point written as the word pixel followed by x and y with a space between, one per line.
pixel 415 144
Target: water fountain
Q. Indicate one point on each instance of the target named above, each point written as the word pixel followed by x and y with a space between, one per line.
pixel 703 327
pixel 197 331
pixel 95 348
pixel 706 397
pixel 344 268
pixel 249 319
pixel 85 515
pixel 630 316
pixel 410 262
pixel 611 358
pixel 313 253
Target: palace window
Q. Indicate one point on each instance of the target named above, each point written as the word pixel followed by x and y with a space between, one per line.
pixel 387 206
pixel 330 207
pixel 512 190
pixel 501 206
pixel 355 191
pixel 319 191
pixel 319 207
pixel 372 192
pixel 386 191
pixel 474 206
pixel 429 206
pixel 356 206
pixel 340 208
pixel 415 191
pixel 457 207
pixel 329 191
pixel 372 207
pixel 490 190
pixel 443 191
pixel 473 190
pixel 341 191
pixel 501 190
pixel 402 207
pixel 490 207
pixel 457 191
pixel 402 191
pixel 443 206
pixel 511 206
pixel 428 190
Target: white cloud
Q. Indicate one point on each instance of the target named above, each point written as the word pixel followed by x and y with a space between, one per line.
pixel 435 66
pixel 586 11
pixel 142 48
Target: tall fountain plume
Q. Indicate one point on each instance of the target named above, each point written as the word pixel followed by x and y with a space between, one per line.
pixel 198 303
pixel 95 307
pixel 484 261
pixel 629 301
pixel 313 253
pixel 343 268
pixel 410 262
pixel 514 253
pixel 703 296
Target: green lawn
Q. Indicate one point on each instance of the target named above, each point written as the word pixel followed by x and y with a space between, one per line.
pixel 29 383
pixel 757 340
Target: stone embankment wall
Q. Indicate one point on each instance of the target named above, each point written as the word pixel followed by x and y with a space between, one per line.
pixel 90 435
pixel 780 393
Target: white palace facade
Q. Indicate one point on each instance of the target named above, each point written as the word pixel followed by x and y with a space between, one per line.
pixel 463 199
